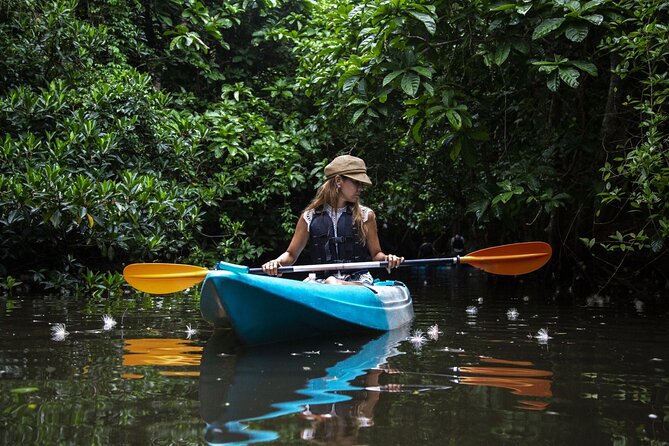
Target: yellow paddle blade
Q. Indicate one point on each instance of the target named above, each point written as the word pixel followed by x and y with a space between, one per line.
pixel 163 278
pixel 511 260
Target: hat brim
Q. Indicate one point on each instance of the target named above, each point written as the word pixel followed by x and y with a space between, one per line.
pixel 362 177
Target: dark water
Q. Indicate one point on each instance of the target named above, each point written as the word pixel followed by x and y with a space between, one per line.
pixel 483 377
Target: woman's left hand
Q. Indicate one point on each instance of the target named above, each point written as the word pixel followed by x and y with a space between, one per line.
pixel 393 261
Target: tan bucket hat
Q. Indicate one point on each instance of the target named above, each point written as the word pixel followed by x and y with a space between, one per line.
pixel 348 166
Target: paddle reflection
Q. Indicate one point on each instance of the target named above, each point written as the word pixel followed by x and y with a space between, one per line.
pixel 521 380
pixel 178 355
pixel 313 378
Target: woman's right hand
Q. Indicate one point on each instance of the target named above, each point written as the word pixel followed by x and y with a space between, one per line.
pixel 271 268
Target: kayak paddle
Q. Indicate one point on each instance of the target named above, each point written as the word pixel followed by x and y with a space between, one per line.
pixel 509 260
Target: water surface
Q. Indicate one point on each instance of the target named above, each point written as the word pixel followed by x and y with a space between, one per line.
pixel 480 373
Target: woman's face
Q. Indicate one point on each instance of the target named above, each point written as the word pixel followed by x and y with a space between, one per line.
pixel 350 189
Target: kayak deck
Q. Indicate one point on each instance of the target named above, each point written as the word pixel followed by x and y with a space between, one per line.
pixel 263 309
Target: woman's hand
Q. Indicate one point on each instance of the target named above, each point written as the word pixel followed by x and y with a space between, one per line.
pixel 393 261
pixel 271 268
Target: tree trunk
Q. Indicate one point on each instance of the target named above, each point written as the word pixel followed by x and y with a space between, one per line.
pixel 611 131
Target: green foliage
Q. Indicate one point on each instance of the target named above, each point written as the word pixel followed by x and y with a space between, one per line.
pixel 70 183
pixel 637 177
pixel 43 40
pixel 72 186
pixel 101 284
pixel 556 28
pixel 397 79
pixel 100 169
pixel 8 284
pixel 564 70
pixel 459 102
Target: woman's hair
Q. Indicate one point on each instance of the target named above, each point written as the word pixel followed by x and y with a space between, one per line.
pixel 328 194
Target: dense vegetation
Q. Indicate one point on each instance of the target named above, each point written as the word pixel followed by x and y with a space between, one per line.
pixel 193 131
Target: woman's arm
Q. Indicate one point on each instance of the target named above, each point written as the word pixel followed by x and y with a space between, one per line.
pixel 295 248
pixel 374 246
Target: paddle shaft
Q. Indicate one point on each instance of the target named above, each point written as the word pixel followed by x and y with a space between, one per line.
pixel 358 266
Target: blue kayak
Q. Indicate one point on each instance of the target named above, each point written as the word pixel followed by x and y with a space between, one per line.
pixel 262 309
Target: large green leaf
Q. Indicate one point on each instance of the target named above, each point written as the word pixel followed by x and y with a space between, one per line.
pixel 357 114
pixel 428 88
pixel 423 71
pixel 501 53
pixel 595 19
pixel 454 119
pixel 24 390
pixel 586 66
pixel 523 9
pixel 553 81
pixel 572 5
pixel 547 68
pixel 569 76
pixel 391 77
pixel 576 32
pixel 591 4
pixel 350 83
pixel 479 208
pixel 415 131
pixel 351 72
pixel 426 19
pixel 546 26
pixel 502 7
pixel 455 150
pixel 410 83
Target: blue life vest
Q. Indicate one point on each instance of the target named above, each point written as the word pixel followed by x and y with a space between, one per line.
pixel 345 247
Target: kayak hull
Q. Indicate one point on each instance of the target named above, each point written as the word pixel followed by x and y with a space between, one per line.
pixel 262 309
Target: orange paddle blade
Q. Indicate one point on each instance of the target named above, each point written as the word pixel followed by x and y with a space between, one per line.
pixel 163 278
pixel 511 260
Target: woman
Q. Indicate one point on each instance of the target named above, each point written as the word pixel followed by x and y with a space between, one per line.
pixel 337 227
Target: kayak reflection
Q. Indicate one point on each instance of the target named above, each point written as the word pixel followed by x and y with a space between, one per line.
pixel 238 386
